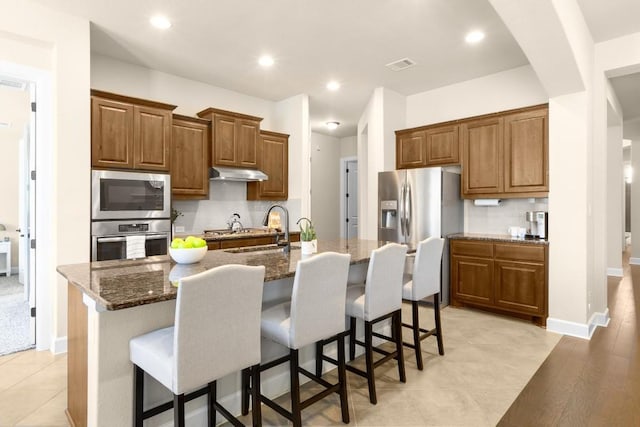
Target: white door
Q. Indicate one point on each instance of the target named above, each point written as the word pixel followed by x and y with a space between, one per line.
pixel 28 178
pixel 351 202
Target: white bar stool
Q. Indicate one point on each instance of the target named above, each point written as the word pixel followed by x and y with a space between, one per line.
pixel 424 282
pixel 216 333
pixel 379 298
pixel 316 312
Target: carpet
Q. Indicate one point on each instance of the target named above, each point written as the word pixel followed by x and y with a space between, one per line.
pixel 14 317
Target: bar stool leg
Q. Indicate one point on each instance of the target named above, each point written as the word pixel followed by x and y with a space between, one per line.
pixel 397 323
pixel 319 350
pixel 138 395
pixel 342 377
pixel 211 400
pixel 178 410
pixel 244 379
pixel 295 389
pixel 352 338
pixel 436 310
pixel 368 345
pixel 256 408
pixel 416 334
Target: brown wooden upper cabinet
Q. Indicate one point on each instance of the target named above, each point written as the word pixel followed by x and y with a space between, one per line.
pixel 274 161
pixel 506 155
pixel 129 133
pixel 427 146
pixel 190 157
pixel 234 138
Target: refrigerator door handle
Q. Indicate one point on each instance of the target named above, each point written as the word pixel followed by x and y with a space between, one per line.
pixel 401 210
pixel 407 210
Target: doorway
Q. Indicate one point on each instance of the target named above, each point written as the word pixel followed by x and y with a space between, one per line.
pixel 17 215
pixel 349 197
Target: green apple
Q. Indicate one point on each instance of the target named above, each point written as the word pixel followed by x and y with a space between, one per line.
pixel 199 243
pixel 190 239
pixel 187 245
pixel 176 243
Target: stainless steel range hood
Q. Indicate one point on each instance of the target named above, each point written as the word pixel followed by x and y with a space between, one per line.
pixel 236 174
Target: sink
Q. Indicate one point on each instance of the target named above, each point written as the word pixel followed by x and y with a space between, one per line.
pixel 261 248
pixel 227 232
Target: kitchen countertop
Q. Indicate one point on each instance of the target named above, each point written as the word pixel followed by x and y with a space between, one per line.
pixel 224 234
pixel 497 238
pixel 116 285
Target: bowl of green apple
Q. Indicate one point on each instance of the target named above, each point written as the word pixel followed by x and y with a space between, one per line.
pixel 189 250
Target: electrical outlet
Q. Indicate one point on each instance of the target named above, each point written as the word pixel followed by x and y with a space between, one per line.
pixel 179 229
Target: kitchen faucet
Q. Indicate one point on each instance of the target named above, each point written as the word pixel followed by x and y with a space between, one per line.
pixel 265 222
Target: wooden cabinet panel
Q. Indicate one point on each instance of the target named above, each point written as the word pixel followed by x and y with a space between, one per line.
pixel 234 138
pixel 442 145
pixel 474 248
pixel 472 279
pixel 247 144
pixel 411 150
pixel 151 138
pixel 111 134
pixel 482 156
pixel 274 161
pixel 526 151
pixel 212 246
pixel 190 158
pixel 130 133
pixel 517 252
pixel 520 287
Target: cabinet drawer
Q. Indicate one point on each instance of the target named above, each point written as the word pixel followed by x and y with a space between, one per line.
pixel 515 252
pixel 472 248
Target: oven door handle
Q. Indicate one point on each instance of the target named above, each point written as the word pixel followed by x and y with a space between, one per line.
pixel 122 239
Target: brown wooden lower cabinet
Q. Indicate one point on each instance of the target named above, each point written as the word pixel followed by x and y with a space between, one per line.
pixel 77 358
pixel 509 278
pixel 242 242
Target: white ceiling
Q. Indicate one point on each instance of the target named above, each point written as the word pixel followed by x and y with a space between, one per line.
pixel 608 19
pixel 218 42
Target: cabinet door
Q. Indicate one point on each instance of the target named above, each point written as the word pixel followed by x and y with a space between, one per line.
pixel 189 160
pixel 442 146
pixel 482 157
pixel 111 134
pixel 526 146
pixel 472 279
pixel 152 138
pixel 410 150
pixel 247 143
pixel 520 287
pixel 224 141
pixel 274 161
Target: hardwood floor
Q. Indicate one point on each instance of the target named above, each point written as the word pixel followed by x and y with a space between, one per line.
pixel 590 383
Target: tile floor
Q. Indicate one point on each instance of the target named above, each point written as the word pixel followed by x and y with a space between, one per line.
pixel 488 361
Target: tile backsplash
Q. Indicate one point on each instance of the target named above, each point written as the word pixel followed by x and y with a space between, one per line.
pixel 497 219
pixel 225 199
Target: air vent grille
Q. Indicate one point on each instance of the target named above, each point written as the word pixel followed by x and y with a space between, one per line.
pixel 401 64
pixel 4 125
pixel 12 84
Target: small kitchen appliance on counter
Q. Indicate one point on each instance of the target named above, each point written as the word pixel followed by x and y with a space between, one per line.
pixel 537 225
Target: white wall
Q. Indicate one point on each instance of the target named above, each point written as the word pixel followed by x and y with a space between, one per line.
pixel 615 214
pixel 497 219
pixel 64 147
pixel 325 185
pixel 509 89
pixel 349 146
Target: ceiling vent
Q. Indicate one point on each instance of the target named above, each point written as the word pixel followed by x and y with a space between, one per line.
pixel 401 64
pixel 13 84
pixel 4 125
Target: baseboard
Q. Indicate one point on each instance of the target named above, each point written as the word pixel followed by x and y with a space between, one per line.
pixel 59 345
pixel 634 261
pixel 615 272
pixel 578 330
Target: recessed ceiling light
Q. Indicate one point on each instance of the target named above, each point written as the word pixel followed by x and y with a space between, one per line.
pixel 332 125
pixel 474 37
pixel 266 61
pixel 333 85
pixel 161 22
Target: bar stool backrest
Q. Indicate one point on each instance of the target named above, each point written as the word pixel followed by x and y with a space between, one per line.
pixel 217 324
pixel 383 288
pixel 317 299
pixel 426 269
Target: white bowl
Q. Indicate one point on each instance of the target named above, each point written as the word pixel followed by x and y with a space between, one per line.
pixel 188 256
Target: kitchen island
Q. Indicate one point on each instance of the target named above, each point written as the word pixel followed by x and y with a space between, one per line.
pixel 111 302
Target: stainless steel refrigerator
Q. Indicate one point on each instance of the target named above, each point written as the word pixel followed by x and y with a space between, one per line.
pixel 415 204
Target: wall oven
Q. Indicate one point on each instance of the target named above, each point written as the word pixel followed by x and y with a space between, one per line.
pixel 109 238
pixel 129 195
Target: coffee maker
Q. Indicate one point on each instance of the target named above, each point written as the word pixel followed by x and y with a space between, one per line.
pixel 537 225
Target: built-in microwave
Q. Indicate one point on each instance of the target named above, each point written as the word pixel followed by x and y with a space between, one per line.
pixel 129 195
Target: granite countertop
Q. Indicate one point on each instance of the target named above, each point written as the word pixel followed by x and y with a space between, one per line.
pixel 225 234
pixel 497 238
pixel 115 285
